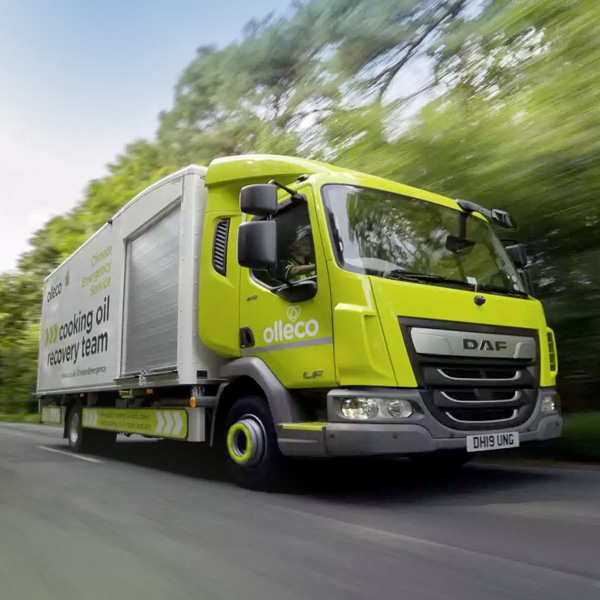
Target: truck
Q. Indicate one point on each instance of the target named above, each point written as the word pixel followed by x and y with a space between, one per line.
pixel 276 308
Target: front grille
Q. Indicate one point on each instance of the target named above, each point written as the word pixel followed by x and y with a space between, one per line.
pixel 495 395
pixel 472 393
pixel 484 373
pixel 482 415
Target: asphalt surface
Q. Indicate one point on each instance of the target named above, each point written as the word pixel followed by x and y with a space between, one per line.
pixel 154 521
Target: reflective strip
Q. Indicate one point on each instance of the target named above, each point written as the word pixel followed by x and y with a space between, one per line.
pixel 287 346
pixel 52 415
pixel 172 423
pixel 305 426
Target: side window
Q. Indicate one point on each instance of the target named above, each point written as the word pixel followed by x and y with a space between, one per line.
pixel 295 248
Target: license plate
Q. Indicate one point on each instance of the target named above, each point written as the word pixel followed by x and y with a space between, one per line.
pixel 492 441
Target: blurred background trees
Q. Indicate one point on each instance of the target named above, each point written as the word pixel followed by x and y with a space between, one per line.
pixel 492 100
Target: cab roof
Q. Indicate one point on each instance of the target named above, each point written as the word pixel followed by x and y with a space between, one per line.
pixel 252 168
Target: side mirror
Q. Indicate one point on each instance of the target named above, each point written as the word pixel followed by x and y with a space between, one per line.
pixel 299 291
pixel 527 281
pixel 458 244
pixel 518 254
pixel 257 244
pixel 503 218
pixel 259 199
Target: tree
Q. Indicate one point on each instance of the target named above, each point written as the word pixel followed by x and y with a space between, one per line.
pixel 510 122
pixel 517 129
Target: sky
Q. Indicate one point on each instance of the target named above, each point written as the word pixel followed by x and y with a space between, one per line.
pixel 80 79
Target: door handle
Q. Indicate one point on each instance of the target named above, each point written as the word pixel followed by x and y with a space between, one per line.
pixel 246 338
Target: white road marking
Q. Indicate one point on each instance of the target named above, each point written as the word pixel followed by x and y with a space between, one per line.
pixel 86 458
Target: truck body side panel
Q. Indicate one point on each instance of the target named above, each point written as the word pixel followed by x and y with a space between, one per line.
pixel 79 344
pixel 126 301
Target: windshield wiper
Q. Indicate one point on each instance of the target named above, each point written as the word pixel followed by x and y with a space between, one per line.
pixel 429 278
pixel 485 287
pixel 426 278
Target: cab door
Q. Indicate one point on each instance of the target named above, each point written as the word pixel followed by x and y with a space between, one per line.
pixel 295 339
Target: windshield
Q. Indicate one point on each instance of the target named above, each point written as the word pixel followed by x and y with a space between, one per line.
pixel 389 235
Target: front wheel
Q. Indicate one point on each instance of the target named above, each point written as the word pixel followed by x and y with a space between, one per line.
pixel 250 444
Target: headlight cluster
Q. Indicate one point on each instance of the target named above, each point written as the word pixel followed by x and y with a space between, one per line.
pixel 364 409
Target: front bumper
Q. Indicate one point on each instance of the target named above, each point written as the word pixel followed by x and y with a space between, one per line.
pixel 397 439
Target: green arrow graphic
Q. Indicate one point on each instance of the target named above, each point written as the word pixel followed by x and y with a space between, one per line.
pixel 51 335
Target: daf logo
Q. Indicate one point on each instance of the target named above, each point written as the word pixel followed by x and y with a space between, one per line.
pixel 486 345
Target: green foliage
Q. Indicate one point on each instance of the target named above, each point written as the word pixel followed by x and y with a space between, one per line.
pixel 20 417
pixel 518 129
pixel 578 443
pixel 512 124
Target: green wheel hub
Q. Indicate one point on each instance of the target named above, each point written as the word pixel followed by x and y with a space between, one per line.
pixel 246 441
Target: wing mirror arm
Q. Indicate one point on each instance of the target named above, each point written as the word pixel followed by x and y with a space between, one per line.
pixel 497 216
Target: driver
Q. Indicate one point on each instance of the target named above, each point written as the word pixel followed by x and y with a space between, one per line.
pixel 298 266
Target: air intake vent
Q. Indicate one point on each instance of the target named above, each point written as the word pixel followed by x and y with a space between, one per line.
pixel 219 259
pixel 552 351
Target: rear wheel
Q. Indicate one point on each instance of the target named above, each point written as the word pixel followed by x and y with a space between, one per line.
pixel 442 461
pixel 86 440
pixel 250 445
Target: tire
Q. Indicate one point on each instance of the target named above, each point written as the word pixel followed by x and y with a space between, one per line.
pixel 250 446
pixel 441 461
pixel 86 440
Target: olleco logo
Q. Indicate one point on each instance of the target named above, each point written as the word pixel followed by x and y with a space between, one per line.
pixel 294 330
pixel 54 292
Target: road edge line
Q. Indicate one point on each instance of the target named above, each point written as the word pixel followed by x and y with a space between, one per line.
pixel 86 458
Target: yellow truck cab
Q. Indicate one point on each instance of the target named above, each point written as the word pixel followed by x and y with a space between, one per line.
pixel 314 312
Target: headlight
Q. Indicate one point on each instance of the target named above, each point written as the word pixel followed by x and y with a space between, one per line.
pixel 399 409
pixel 550 404
pixel 363 409
pixel 360 409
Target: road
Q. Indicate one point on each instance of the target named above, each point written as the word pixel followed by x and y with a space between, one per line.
pixel 147 521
